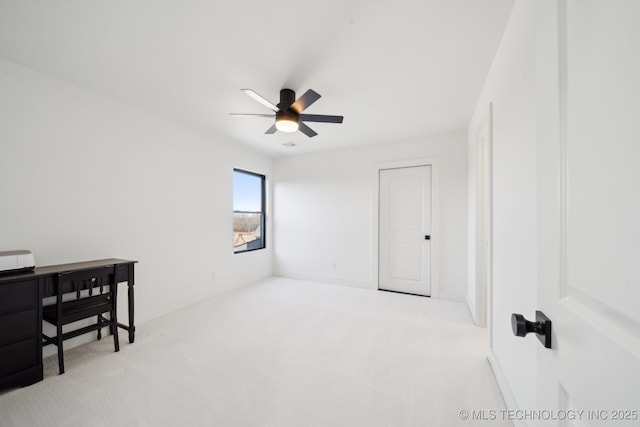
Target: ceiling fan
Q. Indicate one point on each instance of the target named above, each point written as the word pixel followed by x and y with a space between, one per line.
pixel 288 112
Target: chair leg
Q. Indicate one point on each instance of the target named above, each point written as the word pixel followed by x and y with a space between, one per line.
pixel 60 351
pixel 114 328
pixel 99 330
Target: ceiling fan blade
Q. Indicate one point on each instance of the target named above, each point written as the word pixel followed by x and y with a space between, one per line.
pixel 271 130
pixel 260 99
pixel 307 130
pixel 319 118
pixel 305 101
pixel 271 116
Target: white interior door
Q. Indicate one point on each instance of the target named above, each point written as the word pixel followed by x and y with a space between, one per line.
pixel 589 209
pixel 405 230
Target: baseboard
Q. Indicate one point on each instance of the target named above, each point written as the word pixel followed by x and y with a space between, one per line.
pixel 507 394
pixel 334 280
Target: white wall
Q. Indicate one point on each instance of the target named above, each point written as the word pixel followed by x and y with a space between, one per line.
pixel 326 212
pixel 84 177
pixel 510 87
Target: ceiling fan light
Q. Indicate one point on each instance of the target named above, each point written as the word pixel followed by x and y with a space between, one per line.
pixel 286 124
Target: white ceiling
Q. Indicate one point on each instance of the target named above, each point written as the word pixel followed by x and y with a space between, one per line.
pixel 394 68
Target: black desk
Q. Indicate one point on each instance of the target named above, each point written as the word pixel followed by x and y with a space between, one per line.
pixel 21 314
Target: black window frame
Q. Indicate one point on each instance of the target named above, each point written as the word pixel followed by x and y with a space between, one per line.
pixel 263 209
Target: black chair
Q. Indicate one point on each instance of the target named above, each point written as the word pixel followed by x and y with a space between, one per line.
pixel 93 293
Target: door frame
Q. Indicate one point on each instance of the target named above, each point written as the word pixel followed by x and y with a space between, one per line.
pixel 484 224
pixel 435 220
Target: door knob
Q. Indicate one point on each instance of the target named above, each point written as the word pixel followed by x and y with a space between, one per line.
pixel 542 327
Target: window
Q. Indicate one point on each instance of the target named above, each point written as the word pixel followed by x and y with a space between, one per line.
pixel 248 211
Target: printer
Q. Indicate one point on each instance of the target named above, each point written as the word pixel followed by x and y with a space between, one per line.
pixel 16 261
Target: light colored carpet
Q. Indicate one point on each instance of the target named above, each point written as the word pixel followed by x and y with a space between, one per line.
pixel 279 352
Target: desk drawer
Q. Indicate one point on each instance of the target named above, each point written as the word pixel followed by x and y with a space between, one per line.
pixel 17 296
pixel 19 356
pixel 18 326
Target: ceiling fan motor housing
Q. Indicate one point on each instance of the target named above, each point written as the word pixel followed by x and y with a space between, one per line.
pixel 287 115
pixel 287 98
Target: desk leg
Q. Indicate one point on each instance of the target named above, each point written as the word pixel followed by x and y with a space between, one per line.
pixel 132 328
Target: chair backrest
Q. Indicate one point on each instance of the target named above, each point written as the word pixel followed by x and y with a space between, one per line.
pixel 86 283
